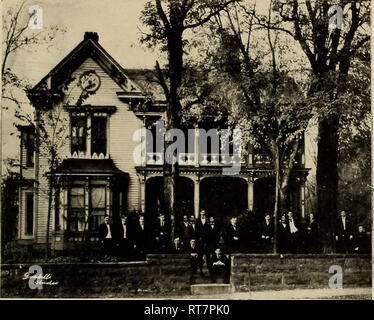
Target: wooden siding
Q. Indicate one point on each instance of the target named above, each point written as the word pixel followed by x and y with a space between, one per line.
pixel 122 125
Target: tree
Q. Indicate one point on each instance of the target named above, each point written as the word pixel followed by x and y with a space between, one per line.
pixel 263 96
pixel 18 36
pixel 330 49
pixel 168 22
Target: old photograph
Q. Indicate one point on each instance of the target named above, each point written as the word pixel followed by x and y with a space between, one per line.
pixel 186 149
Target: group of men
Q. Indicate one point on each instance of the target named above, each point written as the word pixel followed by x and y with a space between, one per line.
pixel 210 242
pixel 124 240
pixel 296 236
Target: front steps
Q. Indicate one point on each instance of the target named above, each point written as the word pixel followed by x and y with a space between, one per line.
pixel 212 288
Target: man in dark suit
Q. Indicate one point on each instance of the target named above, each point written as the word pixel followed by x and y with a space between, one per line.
pixel 123 240
pixel 344 233
pixel 193 230
pixel 212 236
pixel 233 235
pixel 106 232
pixel 162 234
pixel 176 247
pixel 267 234
pixel 196 256
pixel 311 234
pixel 184 231
pixel 141 237
pixel 283 235
pixel 361 241
pixel 219 266
pixel 202 222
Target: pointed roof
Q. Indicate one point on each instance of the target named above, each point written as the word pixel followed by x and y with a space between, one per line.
pixel 89 47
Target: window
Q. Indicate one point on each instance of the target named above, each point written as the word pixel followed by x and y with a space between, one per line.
pixel 78 134
pixel 97 207
pixel 29 150
pixel 98 132
pixel 29 213
pixel 76 213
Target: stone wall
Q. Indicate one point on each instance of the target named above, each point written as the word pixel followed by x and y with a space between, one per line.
pixel 165 274
pixel 272 272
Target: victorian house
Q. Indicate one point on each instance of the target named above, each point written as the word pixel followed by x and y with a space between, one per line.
pixel 98 173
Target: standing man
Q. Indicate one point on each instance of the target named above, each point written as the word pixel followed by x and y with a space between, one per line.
pixel 106 237
pixel 311 234
pixel 294 232
pixel 202 223
pixel 123 240
pixel 141 237
pixel 267 234
pixel 184 231
pixel 162 234
pixel 212 235
pixel 233 235
pixel 283 235
pixel 344 234
pixel 193 232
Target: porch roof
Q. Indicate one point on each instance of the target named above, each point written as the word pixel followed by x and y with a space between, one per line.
pixel 89 166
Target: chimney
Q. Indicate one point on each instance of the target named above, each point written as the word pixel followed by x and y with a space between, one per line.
pixel 91 35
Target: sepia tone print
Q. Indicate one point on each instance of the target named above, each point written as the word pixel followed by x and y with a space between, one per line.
pixel 205 149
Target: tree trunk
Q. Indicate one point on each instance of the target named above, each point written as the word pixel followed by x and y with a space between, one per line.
pixel 173 110
pixel 327 178
pixel 50 200
pixel 276 205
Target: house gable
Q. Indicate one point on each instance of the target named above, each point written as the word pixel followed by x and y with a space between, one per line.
pixel 88 48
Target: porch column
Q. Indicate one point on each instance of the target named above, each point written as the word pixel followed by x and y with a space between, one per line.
pixel 64 202
pixel 108 195
pixel 196 198
pixel 197 147
pixel 62 207
pixel 250 193
pixel 86 202
pixel 142 180
pixel 302 191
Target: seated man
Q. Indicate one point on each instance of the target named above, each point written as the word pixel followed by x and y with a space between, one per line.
pixel 176 246
pixel 219 267
pixel 361 241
